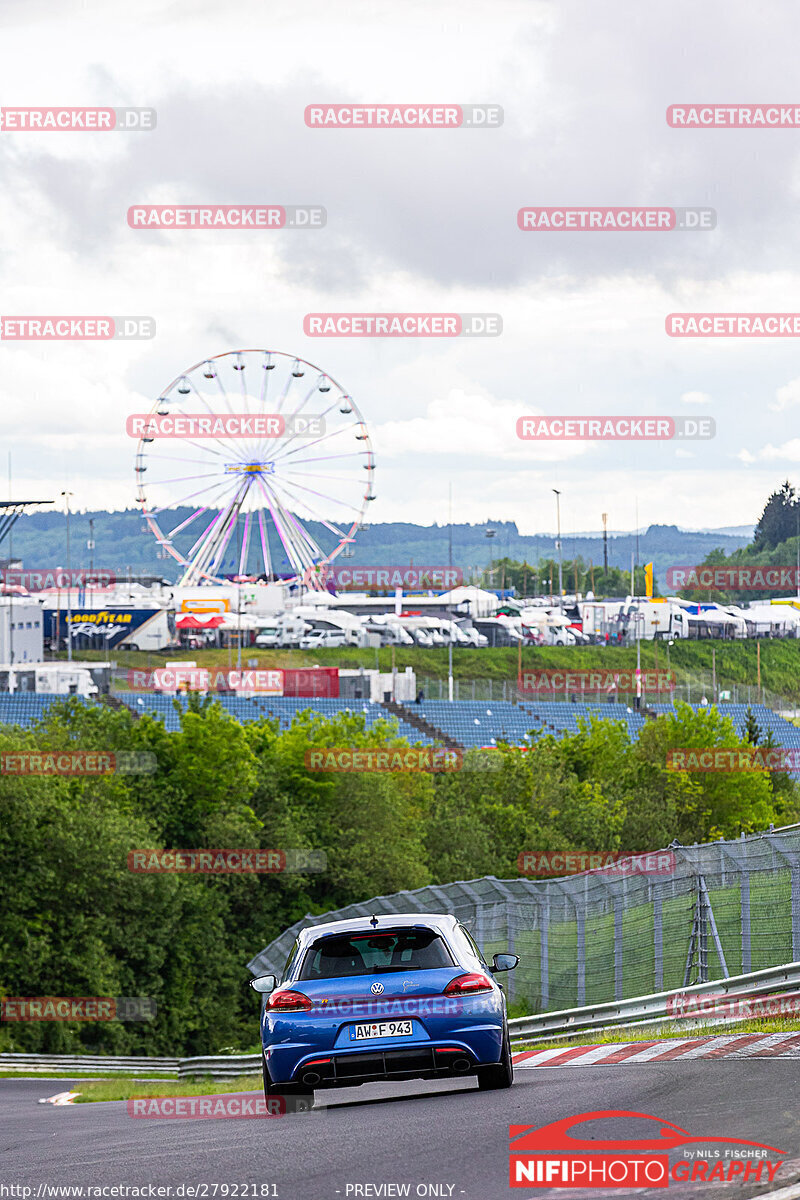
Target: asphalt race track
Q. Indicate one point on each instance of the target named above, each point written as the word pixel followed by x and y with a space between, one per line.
pixel 421 1134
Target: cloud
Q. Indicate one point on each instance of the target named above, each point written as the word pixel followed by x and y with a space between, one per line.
pixel 787 396
pixel 788 452
pixel 471 426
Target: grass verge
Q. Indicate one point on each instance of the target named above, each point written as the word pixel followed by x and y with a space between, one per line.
pixel 24 1073
pixel 130 1089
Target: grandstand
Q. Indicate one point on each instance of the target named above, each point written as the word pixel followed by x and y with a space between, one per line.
pixel 465 723
pixel 25 708
pixel 482 723
pixel 282 708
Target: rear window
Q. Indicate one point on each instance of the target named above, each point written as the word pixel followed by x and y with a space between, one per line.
pixel 369 953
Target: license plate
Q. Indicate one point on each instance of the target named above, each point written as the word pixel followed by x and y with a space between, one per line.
pixel 381 1029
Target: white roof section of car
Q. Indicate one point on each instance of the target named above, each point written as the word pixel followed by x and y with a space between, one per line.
pixel 438 921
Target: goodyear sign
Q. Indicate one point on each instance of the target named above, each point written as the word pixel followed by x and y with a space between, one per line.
pixel 102 626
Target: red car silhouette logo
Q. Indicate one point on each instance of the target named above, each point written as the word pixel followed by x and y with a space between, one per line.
pixel 556 1136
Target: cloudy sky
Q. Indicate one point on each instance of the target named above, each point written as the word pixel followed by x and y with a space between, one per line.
pixel 417 221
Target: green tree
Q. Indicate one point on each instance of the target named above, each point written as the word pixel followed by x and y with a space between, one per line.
pixel 778 521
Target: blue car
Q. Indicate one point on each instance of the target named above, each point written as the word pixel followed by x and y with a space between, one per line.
pixel 406 996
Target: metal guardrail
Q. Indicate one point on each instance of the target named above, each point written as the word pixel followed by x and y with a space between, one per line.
pixel 638 1010
pixel 220 1066
pixel 217 1066
pixel 653 1008
pixel 88 1064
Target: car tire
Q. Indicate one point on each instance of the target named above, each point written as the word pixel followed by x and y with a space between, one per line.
pixel 301 1095
pixel 498 1075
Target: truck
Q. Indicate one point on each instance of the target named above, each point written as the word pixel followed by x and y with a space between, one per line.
pixel 117 627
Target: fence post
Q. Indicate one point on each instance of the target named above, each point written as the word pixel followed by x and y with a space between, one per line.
pixel 618 905
pixel 511 939
pixel 580 920
pixel 702 935
pixel 544 929
pixel 744 892
pixel 658 945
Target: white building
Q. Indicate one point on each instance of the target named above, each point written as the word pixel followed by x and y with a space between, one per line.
pixel 21 630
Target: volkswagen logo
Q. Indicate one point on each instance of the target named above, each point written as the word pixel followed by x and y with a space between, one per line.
pixel 376 989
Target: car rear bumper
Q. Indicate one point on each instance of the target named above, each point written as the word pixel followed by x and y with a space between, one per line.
pixel 459 1052
pixel 367 1066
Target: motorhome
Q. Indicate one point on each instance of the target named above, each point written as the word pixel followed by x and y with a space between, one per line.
pixel 285 630
pixel 648 620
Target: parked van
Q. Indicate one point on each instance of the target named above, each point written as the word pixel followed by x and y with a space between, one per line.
pixel 318 638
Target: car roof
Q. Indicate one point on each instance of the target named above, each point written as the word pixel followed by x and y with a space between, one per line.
pixel 441 922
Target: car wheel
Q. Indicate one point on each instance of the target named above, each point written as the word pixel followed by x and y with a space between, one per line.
pixel 498 1075
pixel 297 1097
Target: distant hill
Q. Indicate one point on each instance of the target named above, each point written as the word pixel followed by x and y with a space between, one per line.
pixel 123 542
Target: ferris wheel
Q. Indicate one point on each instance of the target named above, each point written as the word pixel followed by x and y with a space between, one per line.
pixel 256 506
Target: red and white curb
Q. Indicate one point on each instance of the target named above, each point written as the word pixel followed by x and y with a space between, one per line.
pixel 746 1045
pixel 60 1098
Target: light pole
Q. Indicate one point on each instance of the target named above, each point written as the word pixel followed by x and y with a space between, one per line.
pixel 558 519
pixel 490 533
pixel 66 496
pixel 239 629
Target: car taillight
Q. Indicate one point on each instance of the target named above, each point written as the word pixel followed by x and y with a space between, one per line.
pixel 464 985
pixel 288 1001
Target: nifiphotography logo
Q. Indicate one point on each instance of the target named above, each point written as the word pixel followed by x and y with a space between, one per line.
pixel 554 1157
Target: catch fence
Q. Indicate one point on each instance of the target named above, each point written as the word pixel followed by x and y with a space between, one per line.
pixel 692 689
pixel 725 908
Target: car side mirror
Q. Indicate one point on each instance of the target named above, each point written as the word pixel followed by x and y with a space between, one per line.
pixel 264 983
pixel 504 962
